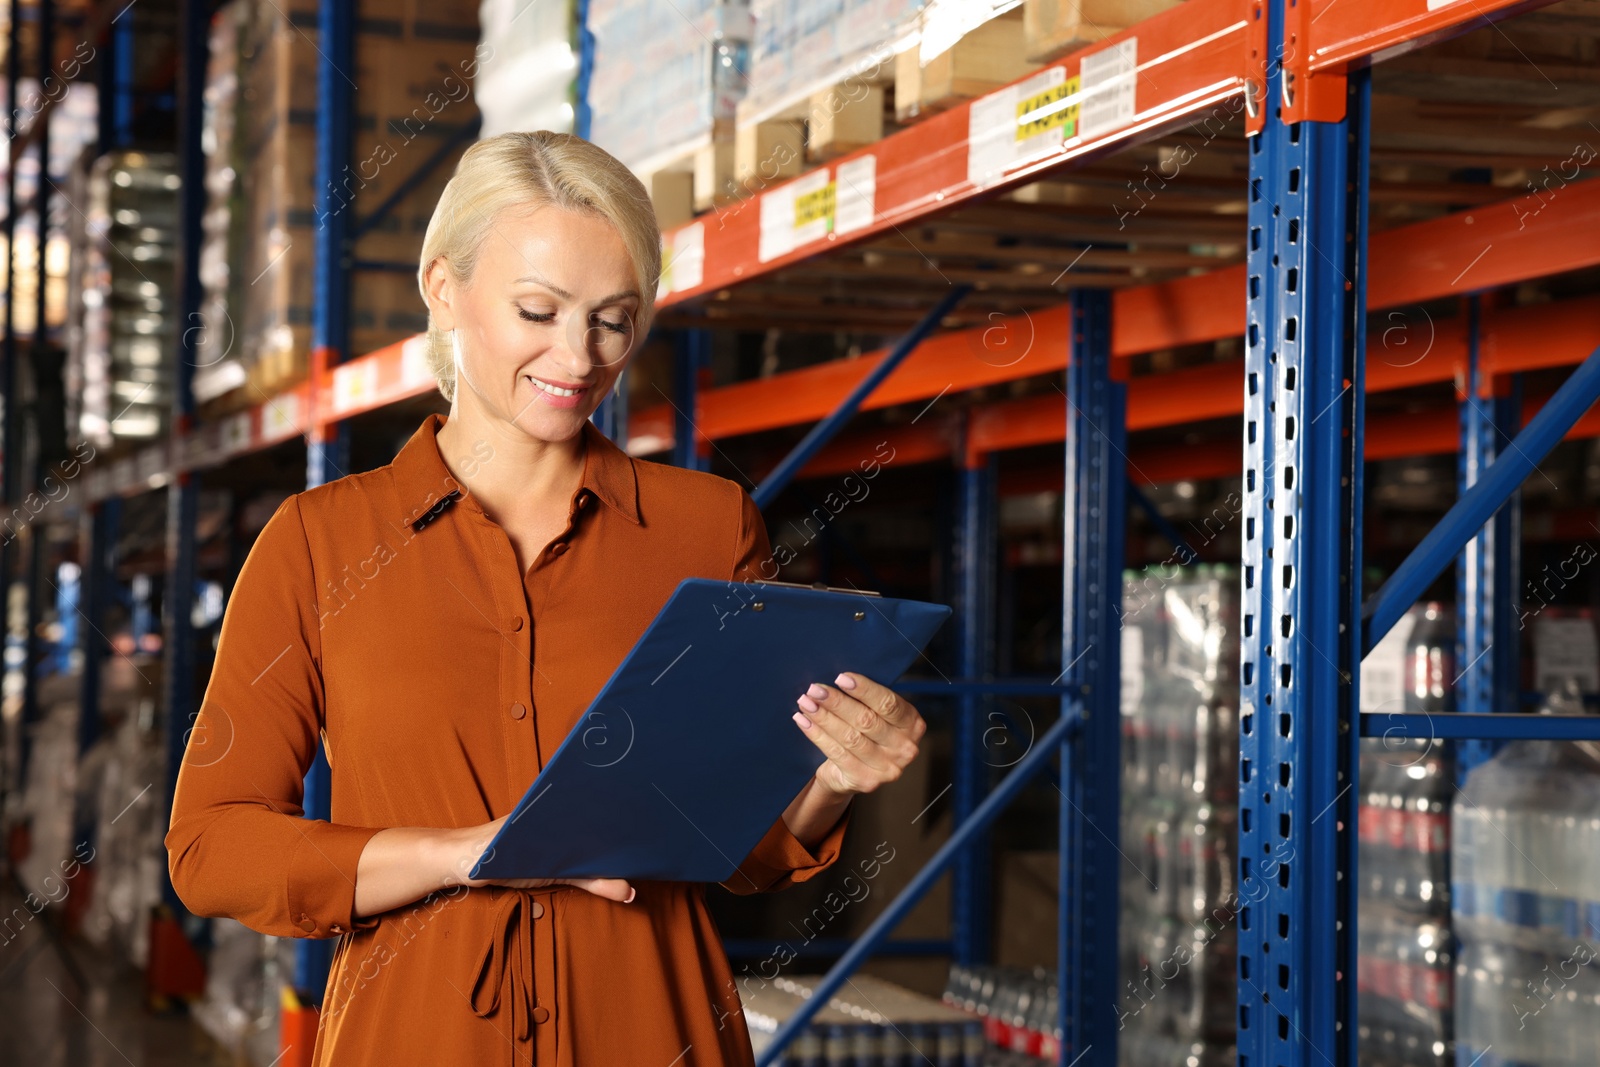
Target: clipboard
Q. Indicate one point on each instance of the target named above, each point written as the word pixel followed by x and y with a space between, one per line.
pixel 689 753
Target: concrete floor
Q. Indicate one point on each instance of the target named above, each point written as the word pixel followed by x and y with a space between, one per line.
pixel 47 1020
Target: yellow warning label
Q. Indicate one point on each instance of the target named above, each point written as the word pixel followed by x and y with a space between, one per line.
pixel 1045 111
pixel 815 205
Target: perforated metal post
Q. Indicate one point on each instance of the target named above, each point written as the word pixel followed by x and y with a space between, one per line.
pixel 972 893
pixel 1091 651
pixel 1487 638
pixel 1304 395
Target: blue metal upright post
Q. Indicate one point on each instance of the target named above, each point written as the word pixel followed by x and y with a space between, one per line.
pixel 328 447
pixel 1299 638
pixel 183 493
pixel 971 896
pixel 1091 766
pixel 1487 639
pixel 691 369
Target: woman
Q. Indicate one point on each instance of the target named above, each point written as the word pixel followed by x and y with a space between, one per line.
pixel 441 624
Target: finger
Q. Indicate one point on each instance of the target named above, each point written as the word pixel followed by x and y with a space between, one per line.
pixel 850 710
pixel 845 738
pixel 894 708
pixel 847 763
pixel 616 889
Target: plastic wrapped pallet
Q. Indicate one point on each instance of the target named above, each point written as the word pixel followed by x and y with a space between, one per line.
pixel 527 75
pixel 239 1003
pixel 130 860
pixel 1405 1001
pixel 119 361
pixel 667 77
pixel 219 367
pixel 1176 1001
pixel 868 1023
pixel 801 47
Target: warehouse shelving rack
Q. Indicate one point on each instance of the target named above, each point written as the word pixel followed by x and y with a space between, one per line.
pixel 1299 71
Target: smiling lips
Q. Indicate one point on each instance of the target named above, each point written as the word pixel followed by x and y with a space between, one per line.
pixel 561 396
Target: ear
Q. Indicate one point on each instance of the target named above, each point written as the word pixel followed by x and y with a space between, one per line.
pixel 439 289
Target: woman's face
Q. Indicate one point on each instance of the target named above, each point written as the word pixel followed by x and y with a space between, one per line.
pixel 547 322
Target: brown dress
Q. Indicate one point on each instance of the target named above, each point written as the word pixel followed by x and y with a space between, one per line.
pixel 440 680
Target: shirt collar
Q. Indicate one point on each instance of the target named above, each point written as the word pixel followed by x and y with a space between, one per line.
pixel 423 479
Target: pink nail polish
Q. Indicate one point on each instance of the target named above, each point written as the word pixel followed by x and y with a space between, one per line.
pixel 844 681
pixel 816 692
pixel 807 703
pixel 632 892
pixel 805 723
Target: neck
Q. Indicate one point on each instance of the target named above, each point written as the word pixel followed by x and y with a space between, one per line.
pixel 505 468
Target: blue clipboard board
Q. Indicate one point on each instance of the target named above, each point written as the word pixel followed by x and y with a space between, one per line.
pixel 689 753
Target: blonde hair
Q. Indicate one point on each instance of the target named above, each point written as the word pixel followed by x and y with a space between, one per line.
pixel 539 168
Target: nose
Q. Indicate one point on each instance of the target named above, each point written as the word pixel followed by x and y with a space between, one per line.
pixel 572 349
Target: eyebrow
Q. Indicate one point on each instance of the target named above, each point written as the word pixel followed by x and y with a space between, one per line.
pixel 539 279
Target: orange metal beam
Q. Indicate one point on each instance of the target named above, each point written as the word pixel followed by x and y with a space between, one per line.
pixel 1494 245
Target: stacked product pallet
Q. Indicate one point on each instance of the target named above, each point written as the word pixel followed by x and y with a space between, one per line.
pixel 1020 1010
pixel 413 82
pixel 527 66
pixel 667 78
pixel 1176 1001
pixel 218 368
pixel 118 374
pixel 868 1023
pixel 1404 945
pixel 1526 881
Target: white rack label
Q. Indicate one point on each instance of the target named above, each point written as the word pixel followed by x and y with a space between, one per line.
pixel 355 385
pixel 1562 649
pixel 414 369
pixel 856 203
pixel 1383 671
pixel 1025 121
pixel 686 264
pixel 236 433
pixel 1109 77
pixel 797 213
pixel 280 416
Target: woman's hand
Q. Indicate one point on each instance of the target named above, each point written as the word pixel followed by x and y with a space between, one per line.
pixel 868 732
pixel 468 844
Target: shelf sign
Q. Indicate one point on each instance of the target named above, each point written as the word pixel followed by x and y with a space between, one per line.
pixel 1056 107
pixel 355 385
pixel 826 201
pixel 414 370
pixel 236 434
pixel 683 260
pixel 1109 78
pixel 280 417
pixel 1019 123
pixel 1040 116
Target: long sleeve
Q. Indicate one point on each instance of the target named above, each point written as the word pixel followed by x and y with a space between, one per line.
pixel 779 859
pixel 238 844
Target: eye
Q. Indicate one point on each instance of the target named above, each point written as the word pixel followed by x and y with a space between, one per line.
pixel 607 324
pixel 536 316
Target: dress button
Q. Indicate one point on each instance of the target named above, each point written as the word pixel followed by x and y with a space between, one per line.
pixel 518 711
pixel 308 925
pixel 537 910
pixel 541 1014
pixel 336 929
pixel 516 623
pixel 558 549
